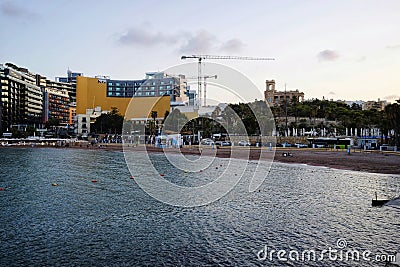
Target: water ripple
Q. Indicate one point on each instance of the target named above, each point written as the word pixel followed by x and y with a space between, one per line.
pixel 113 222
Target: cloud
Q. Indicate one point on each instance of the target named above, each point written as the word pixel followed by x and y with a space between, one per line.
pixel 331 93
pixel 200 42
pixel 393 46
pixel 328 55
pixel 232 46
pixel 10 9
pixel 146 38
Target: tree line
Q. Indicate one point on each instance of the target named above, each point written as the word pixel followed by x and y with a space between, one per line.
pixel 256 118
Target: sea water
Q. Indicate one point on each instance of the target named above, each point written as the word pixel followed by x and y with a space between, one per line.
pixel 113 222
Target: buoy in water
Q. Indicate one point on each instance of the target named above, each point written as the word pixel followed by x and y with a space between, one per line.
pixel 94 181
pixel 161 174
pixel 132 177
pixel 2 189
pixel 54 184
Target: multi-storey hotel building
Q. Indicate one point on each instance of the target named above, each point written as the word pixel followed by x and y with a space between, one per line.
pixel 21 99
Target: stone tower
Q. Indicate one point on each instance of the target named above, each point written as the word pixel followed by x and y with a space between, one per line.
pixel 269 91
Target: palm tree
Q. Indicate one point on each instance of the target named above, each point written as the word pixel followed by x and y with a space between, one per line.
pixel 154 116
pixel 392 112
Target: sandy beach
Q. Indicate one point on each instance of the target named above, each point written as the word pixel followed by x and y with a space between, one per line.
pixel 376 162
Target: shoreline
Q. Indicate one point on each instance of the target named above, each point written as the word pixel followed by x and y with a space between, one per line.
pixel 364 161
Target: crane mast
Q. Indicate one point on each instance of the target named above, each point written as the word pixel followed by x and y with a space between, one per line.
pixel 205 87
pixel 199 71
pixel 204 84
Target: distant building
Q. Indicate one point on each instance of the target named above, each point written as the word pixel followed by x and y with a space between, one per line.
pixel 83 121
pixel 191 95
pixel 155 84
pixel 56 99
pixel 378 105
pixel 56 105
pixel 72 112
pixel 71 79
pixel 108 93
pixel 21 99
pixel 273 97
pixel 29 99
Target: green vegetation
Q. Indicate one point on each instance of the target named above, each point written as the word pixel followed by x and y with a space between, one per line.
pixel 109 123
pixel 255 119
pixel 392 120
pixel 174 121
pixel 340 116
pixel 313 114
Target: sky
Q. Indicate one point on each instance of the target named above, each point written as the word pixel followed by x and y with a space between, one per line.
pixel 333 49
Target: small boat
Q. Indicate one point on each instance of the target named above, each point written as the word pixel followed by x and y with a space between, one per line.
pixel 379 202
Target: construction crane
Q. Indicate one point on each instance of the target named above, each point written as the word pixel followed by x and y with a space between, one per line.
pixel 204 84
pixel 200 59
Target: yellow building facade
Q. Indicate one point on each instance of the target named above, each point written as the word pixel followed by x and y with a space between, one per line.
pixel 92 92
